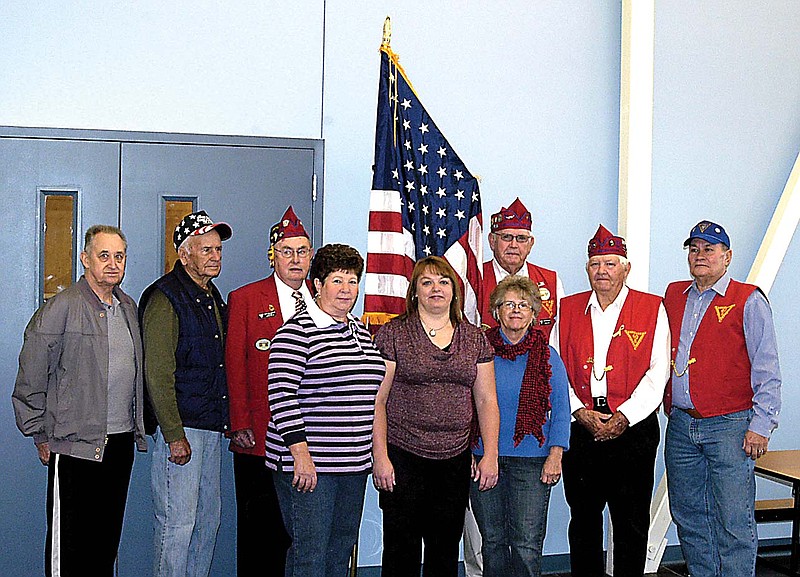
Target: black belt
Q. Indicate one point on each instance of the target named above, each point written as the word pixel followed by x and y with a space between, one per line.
pixel 601 405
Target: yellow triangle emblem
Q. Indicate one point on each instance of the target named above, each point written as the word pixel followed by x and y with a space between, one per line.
pixel 722 312
pixel 548 306
pixel 635 337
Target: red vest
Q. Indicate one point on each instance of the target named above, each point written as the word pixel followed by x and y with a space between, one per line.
pixel 719 379
pixel 543 278
pixel 629 352
pixel 254 316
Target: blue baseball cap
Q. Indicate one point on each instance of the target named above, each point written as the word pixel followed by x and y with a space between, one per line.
pixel 709 232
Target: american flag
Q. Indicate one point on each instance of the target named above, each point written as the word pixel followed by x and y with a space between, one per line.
pixel 423 202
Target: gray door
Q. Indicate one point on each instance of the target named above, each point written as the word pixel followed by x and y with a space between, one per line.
pixel 245 186
pixel 29 170
pixel 124 178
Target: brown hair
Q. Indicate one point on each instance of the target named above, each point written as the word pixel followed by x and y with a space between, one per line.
pixel 96 229
pixel 436 265
pixel 333 257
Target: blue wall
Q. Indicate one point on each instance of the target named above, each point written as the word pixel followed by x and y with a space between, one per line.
pixel 527 92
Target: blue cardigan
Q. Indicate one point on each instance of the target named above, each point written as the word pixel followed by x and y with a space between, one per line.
pixel 508 376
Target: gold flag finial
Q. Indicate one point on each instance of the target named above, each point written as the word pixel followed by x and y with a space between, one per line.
pixel 387 32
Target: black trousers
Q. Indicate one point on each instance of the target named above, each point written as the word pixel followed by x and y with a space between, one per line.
pixel 261 539
pixel 85 509
pixel 618 473
pixel 428 504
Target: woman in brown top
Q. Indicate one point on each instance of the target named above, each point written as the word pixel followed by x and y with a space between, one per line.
pixel 438 368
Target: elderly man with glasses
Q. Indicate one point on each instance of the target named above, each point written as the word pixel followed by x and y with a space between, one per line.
pixel 511 242
pixel 257 311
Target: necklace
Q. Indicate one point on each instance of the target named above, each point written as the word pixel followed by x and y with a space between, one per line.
pixel 432 331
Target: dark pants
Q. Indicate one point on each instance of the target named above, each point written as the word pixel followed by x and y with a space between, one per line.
pixel 428 504
pixel 261 539
pixel 618 473
pixel 85 509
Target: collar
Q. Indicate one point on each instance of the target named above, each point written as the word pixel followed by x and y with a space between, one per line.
pixel 720 287
pixel 284 290
pixel 321 318
pixel 617 304
pixel 500 273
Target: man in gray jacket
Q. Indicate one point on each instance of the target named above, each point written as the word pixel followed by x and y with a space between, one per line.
pixel 79 395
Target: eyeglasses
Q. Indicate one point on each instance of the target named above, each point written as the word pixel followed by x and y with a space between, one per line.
pixel 302 252
pixel 520 238
pixel 512 306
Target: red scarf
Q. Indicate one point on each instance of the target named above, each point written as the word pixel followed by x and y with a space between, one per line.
pixel 534 395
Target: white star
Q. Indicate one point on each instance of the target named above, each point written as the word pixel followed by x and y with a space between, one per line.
pixel 410 206
pixel 441 192
pixel 458 174
pixel 407 124
pixel 413 226
pixel 409 165
pixel 427 250
pixel 393 98
pixel 459 194
pixel 406 103
pixel 423 169
pixel 409 186
pixel 395 173
pixel 442 151
pixel 391 76
pixel 407 144
pixel 426 230
pixel 423 128
pixel 442 172
pixel 423 148
pixel 474 197
pixel 441 213
pixel 425 208
pixel 187 230
pixel 441 233
pixel 460 214
pixel 424 189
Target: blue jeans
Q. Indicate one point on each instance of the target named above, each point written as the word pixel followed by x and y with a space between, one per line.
pixel 322 524
pixel 186 500
pixel 712 493
pixel 512 518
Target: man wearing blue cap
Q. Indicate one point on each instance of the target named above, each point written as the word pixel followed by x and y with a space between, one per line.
pixel 723 401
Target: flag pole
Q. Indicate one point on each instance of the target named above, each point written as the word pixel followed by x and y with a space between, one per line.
pixel 387 32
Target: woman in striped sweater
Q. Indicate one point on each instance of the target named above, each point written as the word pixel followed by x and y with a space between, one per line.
pixel 324 373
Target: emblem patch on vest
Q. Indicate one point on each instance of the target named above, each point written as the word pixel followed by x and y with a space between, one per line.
pixel 263 344
pixel 544 292
pixel 548 305
pixel 268 314
pixel 722 312
pixel 635 337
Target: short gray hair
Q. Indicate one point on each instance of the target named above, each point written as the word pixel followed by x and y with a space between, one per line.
pixel 521 285
pixel 96 229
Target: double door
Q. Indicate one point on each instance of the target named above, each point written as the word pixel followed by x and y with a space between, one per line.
pixel 56 183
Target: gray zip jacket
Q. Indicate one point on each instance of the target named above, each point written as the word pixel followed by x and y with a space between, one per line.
pixel 61 393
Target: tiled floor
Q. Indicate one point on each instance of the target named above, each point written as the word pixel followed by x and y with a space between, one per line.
pixel 680 571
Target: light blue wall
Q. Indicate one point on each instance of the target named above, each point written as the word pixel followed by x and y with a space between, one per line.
pixel 526 92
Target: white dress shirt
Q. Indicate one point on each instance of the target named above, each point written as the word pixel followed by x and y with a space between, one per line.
pixel 648 394
pixel 287 301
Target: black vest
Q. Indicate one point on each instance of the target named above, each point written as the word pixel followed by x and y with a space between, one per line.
pixel 200 386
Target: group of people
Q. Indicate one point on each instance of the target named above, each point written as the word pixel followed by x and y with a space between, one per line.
pixel 448 417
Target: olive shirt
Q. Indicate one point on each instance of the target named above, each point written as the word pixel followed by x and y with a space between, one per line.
pixel 160 329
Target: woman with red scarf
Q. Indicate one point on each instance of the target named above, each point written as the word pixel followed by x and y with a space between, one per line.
pixel 533 394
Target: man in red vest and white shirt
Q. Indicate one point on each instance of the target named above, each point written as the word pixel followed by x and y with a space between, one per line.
pixel 511 242
pixel 723 402
pixel 256 311
pixel 615 345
